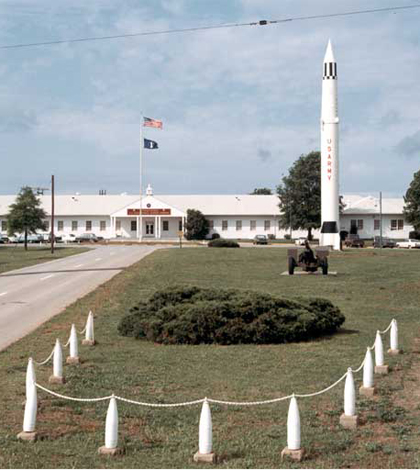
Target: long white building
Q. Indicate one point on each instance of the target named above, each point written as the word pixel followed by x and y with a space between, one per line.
pixel 231 216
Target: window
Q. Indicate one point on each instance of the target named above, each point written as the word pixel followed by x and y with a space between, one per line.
pixel 88 225
pixel 211 224
pixel 165 225
pixel 397 224
pixel 134 225
pixel 180 225
pixel 280 227
pixel 353 223
pixel 267 225
pixel 252 225
pixel 224 224
pixel 239 225
pixel 118 225
pixel 102 225
pixel 376 224
pixel 47 225
pixel 74 225
pixel 360 224
pixel 3 225
pixel 60 225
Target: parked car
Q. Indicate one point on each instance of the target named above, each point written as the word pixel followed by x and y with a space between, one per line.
pixel 33 238
pixel 260 240
pixel 409 243
pixel 87 237
pixel 69 238
pixel 300 241
pixel 4 239
pixel 354 241
pixel 386 242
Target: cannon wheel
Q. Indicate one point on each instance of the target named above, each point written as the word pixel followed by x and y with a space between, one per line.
pixel 291 266
pixel 324 267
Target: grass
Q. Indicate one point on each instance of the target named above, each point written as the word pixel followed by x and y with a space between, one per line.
pixel 371 289
pixel 15 257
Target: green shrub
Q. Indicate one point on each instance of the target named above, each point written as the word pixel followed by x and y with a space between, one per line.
pixel 193 315
pixel 223 243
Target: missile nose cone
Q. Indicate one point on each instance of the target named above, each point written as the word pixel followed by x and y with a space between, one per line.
pixel 329 54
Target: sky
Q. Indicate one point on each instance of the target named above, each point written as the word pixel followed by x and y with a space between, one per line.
pixel 238 105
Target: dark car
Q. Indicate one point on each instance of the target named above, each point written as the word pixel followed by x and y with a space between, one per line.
pixel 354 241
pixel 386 242
pixel 260 240
pixel 87 237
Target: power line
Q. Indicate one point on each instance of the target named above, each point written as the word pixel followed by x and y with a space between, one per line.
pixel 211 27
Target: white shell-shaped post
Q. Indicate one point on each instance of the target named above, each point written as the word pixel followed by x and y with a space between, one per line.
pixel 74 351
pixel 368 370
pixel 394 336
pixel 205 433
pixel 58 360
pixel 29 419
pixel 379 350
pixel 89 333
pixel 111 425
pixel 293 426
pixel 30 376
pixel 349 395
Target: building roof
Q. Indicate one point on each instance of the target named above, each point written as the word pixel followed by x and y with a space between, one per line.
pixel 211 205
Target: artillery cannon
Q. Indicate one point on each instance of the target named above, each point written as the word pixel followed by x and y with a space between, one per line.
pixel 305 259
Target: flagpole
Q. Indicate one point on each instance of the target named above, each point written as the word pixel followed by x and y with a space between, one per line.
pixel 141 178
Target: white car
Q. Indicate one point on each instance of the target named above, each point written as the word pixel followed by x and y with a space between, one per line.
pixel 409 243
pixel 69 238
pixel 300 241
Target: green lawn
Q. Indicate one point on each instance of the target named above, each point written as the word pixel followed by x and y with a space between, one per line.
pixel 371 289
pixel 15 257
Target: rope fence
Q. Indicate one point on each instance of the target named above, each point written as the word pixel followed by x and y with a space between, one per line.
pixel 348 419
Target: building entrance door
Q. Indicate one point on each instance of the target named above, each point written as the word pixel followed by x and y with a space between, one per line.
pixel 150 228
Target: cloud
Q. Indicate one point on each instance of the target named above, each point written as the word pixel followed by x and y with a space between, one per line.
pixel 17 121
pixel 409 146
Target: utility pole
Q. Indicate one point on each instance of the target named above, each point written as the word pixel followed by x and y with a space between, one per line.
pixel 380 219
pixel 52 213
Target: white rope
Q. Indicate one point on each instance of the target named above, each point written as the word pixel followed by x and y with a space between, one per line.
pixel 82 332
pixel 65 397
pixel 307 395
pixel 46 360
pixel 386 331
pixel 161 405
pixel 360 368
pixel 68 342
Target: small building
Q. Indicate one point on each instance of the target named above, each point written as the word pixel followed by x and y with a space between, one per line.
pixel 231 216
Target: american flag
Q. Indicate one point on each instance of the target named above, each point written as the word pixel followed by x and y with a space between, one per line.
pixel 148 122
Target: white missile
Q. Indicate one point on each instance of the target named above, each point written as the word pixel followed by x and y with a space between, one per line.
pixel 330 218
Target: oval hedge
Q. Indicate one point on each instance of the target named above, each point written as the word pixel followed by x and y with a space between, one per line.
pixel 193 315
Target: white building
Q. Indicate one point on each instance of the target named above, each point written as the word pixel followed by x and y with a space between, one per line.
pixel 238 217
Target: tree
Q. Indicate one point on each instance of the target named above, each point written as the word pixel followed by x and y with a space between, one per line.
pixel 300 194
pixel 262 191
pixel 411 209
pixel 197 226
pixel 25 215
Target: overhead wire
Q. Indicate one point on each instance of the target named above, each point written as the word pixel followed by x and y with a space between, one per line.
pixel 210 27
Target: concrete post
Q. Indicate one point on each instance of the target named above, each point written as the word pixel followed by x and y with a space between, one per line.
pixel 349 419
pixel 205 436
pixel 380 367
pixel 57 376
pixel 30 376
pixel 368 388
pixel 73 358
pixel 111 430
pixel 29 419
pixel 393 350
pixel 293 449
pixel 89 333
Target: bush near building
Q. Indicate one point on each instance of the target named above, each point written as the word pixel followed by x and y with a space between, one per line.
pixel 194 315
pixel 222 243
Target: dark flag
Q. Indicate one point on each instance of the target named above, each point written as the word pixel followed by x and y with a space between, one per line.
pixel 150 144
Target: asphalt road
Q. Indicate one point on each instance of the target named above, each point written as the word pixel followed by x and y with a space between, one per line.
pixel 30 296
